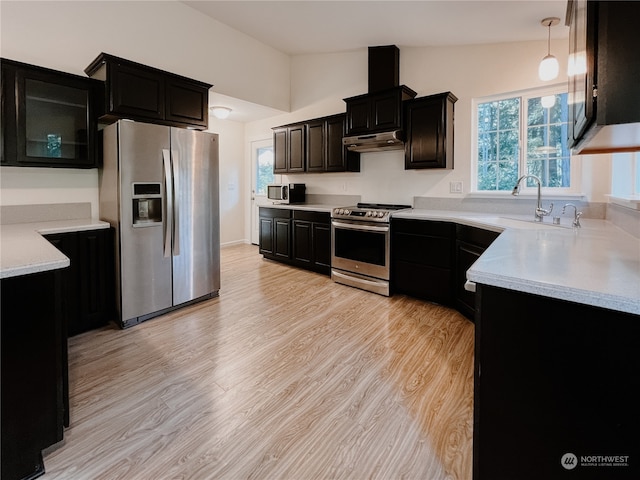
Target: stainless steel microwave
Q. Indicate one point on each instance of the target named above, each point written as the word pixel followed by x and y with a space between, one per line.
pixel 287 193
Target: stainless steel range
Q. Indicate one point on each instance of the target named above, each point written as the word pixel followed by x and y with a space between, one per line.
pixel 360 246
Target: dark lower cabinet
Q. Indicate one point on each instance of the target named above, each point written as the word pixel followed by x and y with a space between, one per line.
pixel 557 389
pixel 312 240
pixel 422 259
pixel 471 242
pixel 296 237
pixel 275 236
pixel 88 298
pixel 34 403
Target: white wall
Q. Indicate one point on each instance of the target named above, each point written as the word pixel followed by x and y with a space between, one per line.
pixel 320 82
pixel 67 36
pixel 233 186
pixel 23 186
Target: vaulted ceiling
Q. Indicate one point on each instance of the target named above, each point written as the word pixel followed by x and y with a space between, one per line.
pixel 300 27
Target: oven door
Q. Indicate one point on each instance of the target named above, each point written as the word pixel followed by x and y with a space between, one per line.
pixel 361 247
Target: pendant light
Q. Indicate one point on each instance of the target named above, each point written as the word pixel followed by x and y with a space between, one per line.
pixel 549 67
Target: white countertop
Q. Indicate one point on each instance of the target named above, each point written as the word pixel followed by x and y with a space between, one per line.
pixel 598 264
pixel 319 207
pixel 23 249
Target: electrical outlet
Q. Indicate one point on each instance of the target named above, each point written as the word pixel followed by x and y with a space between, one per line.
pixel 455 187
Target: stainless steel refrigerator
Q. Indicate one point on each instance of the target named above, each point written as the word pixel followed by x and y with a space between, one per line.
pixel 159 190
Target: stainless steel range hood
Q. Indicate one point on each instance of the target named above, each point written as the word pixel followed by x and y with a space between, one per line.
pixel 375 142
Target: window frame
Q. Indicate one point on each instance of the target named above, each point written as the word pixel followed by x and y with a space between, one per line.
pixel 524 95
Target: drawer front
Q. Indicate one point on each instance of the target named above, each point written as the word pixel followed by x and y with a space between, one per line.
pixel 422 281
pixel 317 217
pixel 423 227
pixel 422 249
pixel 475 236
pixel 274 212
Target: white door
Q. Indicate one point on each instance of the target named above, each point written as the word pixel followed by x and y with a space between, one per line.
pixel 261 176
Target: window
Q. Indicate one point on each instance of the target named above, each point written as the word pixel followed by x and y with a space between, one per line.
pixel 625 177
pixel 501 155
pixel 264 168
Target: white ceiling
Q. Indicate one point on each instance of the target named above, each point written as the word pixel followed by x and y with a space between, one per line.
pixel 299 27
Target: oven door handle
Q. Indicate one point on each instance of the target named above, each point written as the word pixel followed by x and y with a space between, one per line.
pixel 359 227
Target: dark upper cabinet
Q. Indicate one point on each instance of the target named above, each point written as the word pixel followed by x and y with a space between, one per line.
pixel 134 91
pixel 289 148
pixel 148 94
pixel 377 112
pixel 186 102
pixel 49 117
pixel 316 141
pixel 338 158
pixel 604 98
pixel 429 125
pixel 296 148
pixel 280 150
pixel 313 146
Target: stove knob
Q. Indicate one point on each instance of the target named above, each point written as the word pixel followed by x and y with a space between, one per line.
pixel 341 211
pixel 380 214
pixel 368 214
pixel 347 211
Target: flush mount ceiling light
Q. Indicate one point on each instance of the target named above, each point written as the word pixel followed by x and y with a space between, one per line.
pixel 220 112
pixel 548 69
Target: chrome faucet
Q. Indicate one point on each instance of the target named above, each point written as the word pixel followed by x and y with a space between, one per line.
pixel 540 212
pixel 576 215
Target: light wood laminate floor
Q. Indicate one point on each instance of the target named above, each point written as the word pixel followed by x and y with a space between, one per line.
pixel 286 375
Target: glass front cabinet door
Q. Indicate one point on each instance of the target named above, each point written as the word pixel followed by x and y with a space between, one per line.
pixel 55 117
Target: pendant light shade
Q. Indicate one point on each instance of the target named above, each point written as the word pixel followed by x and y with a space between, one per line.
pixel 548 101
pixel 549 67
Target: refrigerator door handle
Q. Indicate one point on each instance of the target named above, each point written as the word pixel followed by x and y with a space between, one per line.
pixel 168 188
pixel 176 204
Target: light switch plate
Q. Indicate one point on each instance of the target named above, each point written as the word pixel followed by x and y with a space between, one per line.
pixel 455 187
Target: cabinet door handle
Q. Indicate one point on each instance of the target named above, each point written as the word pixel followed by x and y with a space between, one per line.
pixel 360 227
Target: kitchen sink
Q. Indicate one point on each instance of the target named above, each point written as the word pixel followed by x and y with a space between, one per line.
pixel 565 222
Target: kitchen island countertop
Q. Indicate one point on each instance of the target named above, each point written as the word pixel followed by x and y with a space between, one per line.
pixel 24 250
pixel 598 264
